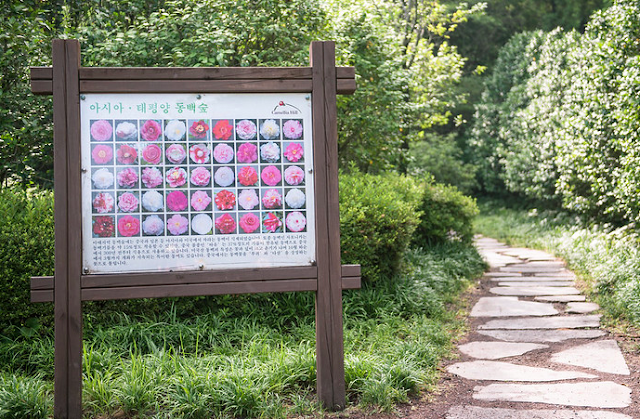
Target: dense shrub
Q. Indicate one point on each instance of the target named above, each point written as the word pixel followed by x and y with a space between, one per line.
pixel 26 250
pixel 378 215
pixel 447 215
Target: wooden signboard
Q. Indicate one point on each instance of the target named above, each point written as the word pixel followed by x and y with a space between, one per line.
pixel 194 181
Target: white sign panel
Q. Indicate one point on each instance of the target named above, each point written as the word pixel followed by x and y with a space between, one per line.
pixel 196 182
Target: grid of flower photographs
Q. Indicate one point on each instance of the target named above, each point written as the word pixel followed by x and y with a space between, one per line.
pixel 190 177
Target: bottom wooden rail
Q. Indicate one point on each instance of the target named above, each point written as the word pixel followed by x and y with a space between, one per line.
pixel 42 288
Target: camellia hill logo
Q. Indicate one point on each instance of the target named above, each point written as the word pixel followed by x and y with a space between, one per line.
pixel 283 108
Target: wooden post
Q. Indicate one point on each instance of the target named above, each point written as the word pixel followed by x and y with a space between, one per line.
pixel 329 333
pixel 68 306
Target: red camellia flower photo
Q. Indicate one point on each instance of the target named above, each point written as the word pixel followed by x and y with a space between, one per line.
pixel 272 223
pixel 225 200
pixel 126 154
pixel 199 129
pixel 103 226
pixel 222 130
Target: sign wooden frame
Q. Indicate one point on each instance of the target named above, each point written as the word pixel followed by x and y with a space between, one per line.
pixel 67 80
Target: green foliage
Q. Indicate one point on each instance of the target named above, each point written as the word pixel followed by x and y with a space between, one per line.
pixel 378 214
pixel 26 250
pixel 25 397
pixel 447 215
pixel 441 157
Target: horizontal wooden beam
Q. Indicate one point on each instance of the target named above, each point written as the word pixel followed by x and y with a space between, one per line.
pixel 193 80
pixel 122 287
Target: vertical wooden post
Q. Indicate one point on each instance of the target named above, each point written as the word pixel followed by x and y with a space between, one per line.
pixel 67 188
pixel 329 333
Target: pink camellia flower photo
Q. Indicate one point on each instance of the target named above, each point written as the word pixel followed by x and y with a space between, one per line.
pixel 177 225
pixel 296 221
pixel 246 129
pixel 127 202
pixel 247 153
pixel 293 175
pixel 176 153
pixel 294 152
pixel 247 176
pixel 177 201
pixel 271 175
pixel 248 199
pixel 126 154
pixel 101 130
pixel 249 223
pixel 151 177
pixel 225 200
pixel 292 129
pixel 200 176
pixel 128 226
pixel 272 223
pixel 150 130
pixel 199 153
pixel 176 177
pixel 102 154
pixel 222 130
pixel 226 224
pixel 272 199
pixel 152 154
pixel 103 202
pixel 199 129
pixel 223 153
pixel 127 178
pixel 200 200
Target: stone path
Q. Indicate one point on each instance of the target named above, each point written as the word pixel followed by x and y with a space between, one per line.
pixel 536 350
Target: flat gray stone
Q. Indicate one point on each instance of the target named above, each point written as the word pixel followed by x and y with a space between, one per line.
pixel 474 412
pixel 532 269
pixel 498 350
pixel 567 274
pixel 542 335
pixel 603 356
pixel 560 298
pixel 485 242
pixel 495 274
pixel 533 291
pixel 508 277
pixel 558 322
pixel 505 371
pixel 529 254
pixel 599 394
pixel 496 260
pixel 509 307
pixel 535 283
pixel 581 308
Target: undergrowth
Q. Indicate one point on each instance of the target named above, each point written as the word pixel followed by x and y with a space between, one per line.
pixel 254 357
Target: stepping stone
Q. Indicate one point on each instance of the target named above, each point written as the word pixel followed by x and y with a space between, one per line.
pixel 498 261
pixel 602 395
pixel 547 264
pixel 505 371
pixel 581 308
pixel 510 306
pixel 532 269
pixel 603 356
pixel 567 274
pixel 497 350
pixel 558 322
pixel 488 242
pixel 536 283
pixel 533 291
pixel 560 298
pixel 541 335
pixel 529 254
pixel 510 275
pixel 474 412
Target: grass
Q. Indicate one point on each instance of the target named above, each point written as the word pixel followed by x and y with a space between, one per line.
pixel 606 258
pixel 253 355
